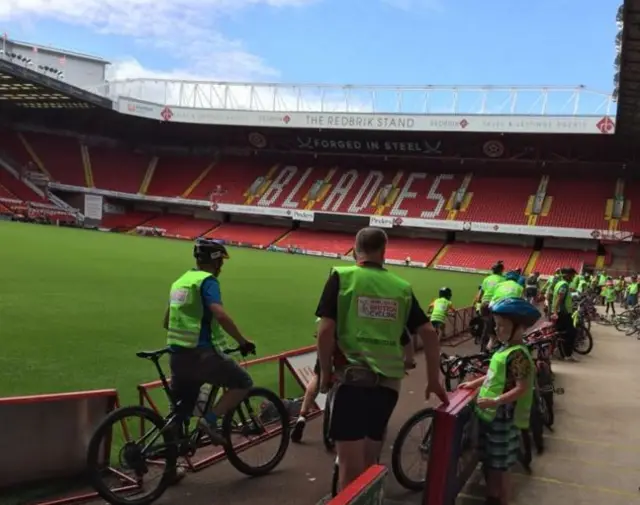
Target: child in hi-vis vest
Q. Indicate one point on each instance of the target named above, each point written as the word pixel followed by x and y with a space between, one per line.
pixel 505 395
pixel 440 309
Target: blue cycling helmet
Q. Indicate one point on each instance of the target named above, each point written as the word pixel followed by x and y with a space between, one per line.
pixel 512 276
pixel 518 310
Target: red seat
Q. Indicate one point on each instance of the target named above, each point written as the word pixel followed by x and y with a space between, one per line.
pixel 180 226
pixel 248 234
pixel 319 241
pixel 477 256
pixel 551 259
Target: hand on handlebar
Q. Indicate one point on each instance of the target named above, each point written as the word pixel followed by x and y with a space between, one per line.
pixel 247 347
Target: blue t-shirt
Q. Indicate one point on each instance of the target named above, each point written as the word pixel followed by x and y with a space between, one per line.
pixel 209 294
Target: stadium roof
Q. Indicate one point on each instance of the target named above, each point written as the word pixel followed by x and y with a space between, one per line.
pixel 24 88
pixel 628 120
pixel 56 50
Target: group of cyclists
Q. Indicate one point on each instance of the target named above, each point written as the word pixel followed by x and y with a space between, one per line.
pixel 365 317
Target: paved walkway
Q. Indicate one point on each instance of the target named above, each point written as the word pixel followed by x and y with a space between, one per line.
pixel 593 457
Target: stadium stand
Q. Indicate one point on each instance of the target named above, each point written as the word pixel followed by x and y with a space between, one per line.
pixel 321 241
pixel 126 222
pixel 15 187
pixel 551 259
pixel 512 193
pixel 247 234
pixel 418 249
pixel 176 225
pixel 235 176
pixel 177 176
pixel 578 203
pixel 479 256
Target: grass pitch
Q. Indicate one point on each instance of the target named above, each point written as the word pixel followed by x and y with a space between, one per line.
pixel 76 305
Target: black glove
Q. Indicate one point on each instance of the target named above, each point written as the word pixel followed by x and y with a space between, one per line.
pixel 247 348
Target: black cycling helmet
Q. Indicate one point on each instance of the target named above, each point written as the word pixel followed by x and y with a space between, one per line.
pixel 207 251
pixel 445 293
pixel 498 268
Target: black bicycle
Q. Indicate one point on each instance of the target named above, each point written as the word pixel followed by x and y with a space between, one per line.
pixel 162 440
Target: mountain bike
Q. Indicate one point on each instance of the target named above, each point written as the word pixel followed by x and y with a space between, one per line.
pixel 162 440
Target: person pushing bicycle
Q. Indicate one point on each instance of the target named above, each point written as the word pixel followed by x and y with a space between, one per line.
pixel 195 320
pixel 364 310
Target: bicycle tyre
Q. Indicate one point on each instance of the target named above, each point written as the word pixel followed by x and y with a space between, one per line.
pixel 396 453
pixel 335 478
pixel 227 427
pixel 633 329
pixel 329 444
pixel 586 336
pixel 104 430
pixel 537 422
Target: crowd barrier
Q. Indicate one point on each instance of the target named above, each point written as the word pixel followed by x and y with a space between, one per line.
pixel 456 325
pixel 45 437
pixel 368 489
pixel 299 363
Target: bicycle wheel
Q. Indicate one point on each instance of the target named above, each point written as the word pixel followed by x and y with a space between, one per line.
pixel 110 479
pixel 584 341
pixel 335 478
pixel 326 422
pixel 538 419
pixel 624 320
pixel 633 328
pixel 403 474
pixel 247 432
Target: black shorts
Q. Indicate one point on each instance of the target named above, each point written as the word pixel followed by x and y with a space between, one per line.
pixel 358 413
pixel 437 324
pixel 208 366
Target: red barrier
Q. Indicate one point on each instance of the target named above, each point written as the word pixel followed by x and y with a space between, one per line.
pixel 456 325
pixel 368 489
pixel 451 463
pixel 57 446
pixel 219 454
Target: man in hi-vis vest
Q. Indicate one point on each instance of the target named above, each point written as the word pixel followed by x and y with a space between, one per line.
pixel 364 310
pixel 195 321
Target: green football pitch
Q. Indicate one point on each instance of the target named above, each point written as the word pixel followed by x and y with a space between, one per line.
pixel 76 305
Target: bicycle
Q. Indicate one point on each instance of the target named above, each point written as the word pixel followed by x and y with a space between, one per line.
pixel 177 437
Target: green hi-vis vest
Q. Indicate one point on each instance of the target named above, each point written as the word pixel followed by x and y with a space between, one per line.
pixel 507 289
pixel 602 280
pixel 575 282
pixel 489 285
pixel 186 312
pixel 633 288
pixel 568 301
pixel 440 311
pixel 495 383
pixel 373 309
pixel 582 285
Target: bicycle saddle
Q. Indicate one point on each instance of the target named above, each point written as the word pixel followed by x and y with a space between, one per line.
pixel 152 354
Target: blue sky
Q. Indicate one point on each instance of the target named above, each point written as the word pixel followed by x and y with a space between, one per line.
pixel 510 42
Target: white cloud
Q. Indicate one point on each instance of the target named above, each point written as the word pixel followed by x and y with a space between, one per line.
pixel 189 30
pixel 413 5
pixel 130 79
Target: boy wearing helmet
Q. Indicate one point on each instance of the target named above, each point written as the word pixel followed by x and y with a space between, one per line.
pixel 505 395
pixel 195 320
pixel 440 309
pixel 509 288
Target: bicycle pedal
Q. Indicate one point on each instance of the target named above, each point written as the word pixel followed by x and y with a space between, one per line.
pixel 558 391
